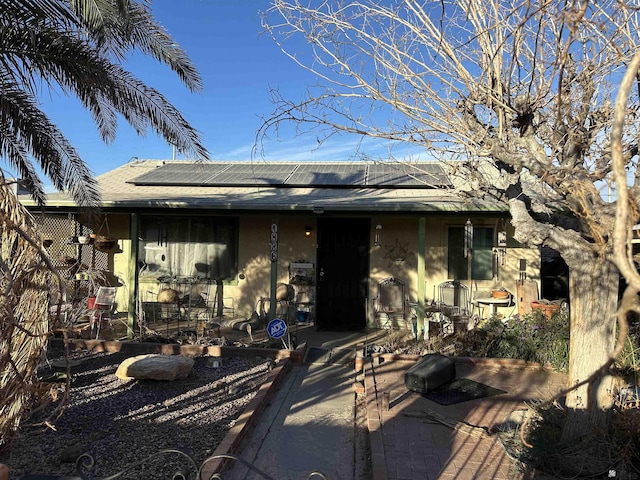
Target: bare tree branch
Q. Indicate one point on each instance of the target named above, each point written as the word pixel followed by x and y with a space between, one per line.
pixel 516 99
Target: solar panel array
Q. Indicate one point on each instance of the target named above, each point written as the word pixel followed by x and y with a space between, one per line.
pixel 336 174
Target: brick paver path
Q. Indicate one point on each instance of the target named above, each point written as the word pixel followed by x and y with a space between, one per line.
pixel 407 444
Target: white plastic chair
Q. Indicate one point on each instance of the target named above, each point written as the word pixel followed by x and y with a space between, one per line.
pixel 102 308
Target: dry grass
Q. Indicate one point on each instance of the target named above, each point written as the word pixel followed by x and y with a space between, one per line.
pixel 25 285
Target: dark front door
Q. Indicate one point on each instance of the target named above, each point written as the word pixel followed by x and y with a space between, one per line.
pixel 343 272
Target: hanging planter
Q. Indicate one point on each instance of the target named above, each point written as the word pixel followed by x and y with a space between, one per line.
pixel 104 242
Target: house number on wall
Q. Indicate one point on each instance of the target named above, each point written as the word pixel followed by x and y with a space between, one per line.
pixel 274 242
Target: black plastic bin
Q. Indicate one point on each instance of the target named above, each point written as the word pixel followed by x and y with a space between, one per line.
pixel 429 373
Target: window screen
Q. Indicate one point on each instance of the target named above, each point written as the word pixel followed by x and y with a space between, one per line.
pixel 481 260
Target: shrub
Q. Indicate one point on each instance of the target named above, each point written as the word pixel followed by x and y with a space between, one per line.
pixel 531 337
pixel 629 360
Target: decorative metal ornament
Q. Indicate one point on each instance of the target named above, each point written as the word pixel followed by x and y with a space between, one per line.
pixel 468 239
pixel 377 239
pixel 397 253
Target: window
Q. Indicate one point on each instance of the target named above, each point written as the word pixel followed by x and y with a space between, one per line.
pixel 481 260
pixel 188 245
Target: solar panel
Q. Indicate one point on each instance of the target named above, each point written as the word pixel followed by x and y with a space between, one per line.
pixel 179 173
pixel 336 174
pixel 407 175
pixel 256 174
pixel 322 174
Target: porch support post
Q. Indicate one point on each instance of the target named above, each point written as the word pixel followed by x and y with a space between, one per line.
pixel 422 236
pixel 132 274
pixel 274 267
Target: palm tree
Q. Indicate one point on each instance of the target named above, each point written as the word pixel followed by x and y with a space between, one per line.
pixel 77 46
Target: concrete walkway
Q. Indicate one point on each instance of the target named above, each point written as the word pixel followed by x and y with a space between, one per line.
pixel 415 438
pixel 308 425
pixel 309 428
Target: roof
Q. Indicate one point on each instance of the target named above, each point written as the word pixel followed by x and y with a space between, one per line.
pixel 260 186
pixel 302 175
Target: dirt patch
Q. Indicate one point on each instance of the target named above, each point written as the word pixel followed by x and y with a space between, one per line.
pixel 121 423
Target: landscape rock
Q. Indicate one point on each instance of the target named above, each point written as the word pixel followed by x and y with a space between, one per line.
pixel 70 454
pixel 155 367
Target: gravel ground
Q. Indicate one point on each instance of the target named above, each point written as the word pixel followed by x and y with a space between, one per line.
pixel 120 423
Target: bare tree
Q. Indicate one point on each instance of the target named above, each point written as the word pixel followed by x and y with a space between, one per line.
pixel 518 99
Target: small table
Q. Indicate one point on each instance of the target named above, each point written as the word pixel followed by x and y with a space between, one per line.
pixel 493 303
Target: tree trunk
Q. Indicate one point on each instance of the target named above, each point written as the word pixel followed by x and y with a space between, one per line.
pixel 593 287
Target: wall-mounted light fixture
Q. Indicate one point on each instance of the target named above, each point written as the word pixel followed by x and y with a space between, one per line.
pixel 307 231
pixel 377 238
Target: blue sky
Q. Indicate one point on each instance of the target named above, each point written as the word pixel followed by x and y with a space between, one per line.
pixel 238 66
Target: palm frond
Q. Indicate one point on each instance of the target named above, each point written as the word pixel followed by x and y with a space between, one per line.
pixel 102 86
pixel 13 149
pixel 28 11
pixel 145 107
pixel 27 129
pixel 118 26
pixel 74 45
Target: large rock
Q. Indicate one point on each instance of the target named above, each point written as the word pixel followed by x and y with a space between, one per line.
pixel 155 367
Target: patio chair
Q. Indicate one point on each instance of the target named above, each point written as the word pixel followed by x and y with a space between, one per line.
pixel 454 305
pixel 390 305
pixel 229 306
pixel 102 308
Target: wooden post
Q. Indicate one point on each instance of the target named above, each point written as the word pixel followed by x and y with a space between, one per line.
pixel 273 253
pixel 420 330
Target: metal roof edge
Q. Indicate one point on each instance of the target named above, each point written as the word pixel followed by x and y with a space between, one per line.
pixel 391 207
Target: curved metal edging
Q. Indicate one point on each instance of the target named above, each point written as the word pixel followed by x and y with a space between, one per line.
pixel 85 463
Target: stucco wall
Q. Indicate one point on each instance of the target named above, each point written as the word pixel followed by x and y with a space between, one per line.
pixel 399 235
pixel 254 264
pixel 396 256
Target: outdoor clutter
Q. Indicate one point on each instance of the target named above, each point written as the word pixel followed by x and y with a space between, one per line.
pixel 155 367
pixel 247 325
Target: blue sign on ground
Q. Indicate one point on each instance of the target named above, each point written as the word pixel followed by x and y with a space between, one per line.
pixel 276 328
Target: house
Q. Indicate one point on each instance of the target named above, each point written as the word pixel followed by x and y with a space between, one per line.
pixel 333 230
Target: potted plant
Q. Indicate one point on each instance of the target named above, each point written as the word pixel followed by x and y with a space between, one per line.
pixel 500 293
pixel 94 278
pixel 104 242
